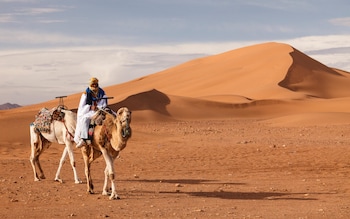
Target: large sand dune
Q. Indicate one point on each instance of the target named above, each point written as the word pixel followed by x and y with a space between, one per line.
pixel 251 77
pixel 196 124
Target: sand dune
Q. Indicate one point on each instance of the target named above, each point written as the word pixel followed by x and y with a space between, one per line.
pixel 265 80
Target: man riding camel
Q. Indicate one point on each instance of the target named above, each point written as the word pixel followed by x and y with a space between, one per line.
pixel 90 101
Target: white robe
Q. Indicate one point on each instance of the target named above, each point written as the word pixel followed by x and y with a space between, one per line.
pixel 84 116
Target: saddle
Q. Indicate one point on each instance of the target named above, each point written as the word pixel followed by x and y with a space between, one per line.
pixel 97 120
pixel 45 117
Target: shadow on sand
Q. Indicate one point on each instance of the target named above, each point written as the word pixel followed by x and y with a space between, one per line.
pixel 222 194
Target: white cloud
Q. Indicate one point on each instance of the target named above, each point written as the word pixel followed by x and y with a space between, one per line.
pixel 38 11
pixel 310 43
pixel 51 21
pixel 28 37
pixel 6 18
pixel 344 21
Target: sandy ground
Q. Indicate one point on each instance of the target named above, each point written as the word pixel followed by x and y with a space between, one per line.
pixel 259 132
pixel 194 169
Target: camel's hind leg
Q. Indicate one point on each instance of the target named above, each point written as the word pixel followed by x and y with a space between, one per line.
pixel 37 148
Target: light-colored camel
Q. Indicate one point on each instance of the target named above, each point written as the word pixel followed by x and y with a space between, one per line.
pixel 108 140
pixel 62 132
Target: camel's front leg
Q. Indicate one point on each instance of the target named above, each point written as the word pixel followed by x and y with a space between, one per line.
pixel 109 175
pixel 105 190
pixel 63 158
pixel 114 194
pixel 86 151
pixel 72 162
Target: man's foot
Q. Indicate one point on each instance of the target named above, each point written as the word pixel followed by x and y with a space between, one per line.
pixel 81 143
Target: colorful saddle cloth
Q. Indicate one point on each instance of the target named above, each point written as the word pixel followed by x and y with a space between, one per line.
pixel 45 117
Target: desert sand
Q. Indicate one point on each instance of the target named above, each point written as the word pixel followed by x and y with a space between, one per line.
pixel 257 132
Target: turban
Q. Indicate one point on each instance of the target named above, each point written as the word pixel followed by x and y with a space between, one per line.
pixel 93 81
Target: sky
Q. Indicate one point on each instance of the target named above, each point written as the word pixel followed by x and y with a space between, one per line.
pixel 51 48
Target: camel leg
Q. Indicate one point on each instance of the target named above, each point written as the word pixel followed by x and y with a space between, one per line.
pixel 109 174
pixel 87 152
pixel 72 162
pixel 36 150
pixel 105 184
pixel 33 160
pixel 63 158
pixel 41 175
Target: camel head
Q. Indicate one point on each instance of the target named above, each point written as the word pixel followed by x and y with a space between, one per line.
pixel 124 120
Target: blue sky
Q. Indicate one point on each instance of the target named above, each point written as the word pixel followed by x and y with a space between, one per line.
pixel 50 48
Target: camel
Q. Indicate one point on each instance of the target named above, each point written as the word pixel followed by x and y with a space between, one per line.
pixel 108 140
pixel 60 129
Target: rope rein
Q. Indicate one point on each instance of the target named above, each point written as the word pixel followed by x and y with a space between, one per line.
pixel 70 134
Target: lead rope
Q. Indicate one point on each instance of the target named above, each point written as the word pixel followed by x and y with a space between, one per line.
pixel 70 134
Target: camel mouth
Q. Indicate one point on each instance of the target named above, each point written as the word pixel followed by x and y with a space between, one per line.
pixel 126 132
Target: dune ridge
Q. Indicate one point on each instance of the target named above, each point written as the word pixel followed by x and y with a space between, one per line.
pixel 314 78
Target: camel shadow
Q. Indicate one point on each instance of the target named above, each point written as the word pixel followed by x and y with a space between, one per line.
pixel 229 195
pixel 252 195
pixel 187 181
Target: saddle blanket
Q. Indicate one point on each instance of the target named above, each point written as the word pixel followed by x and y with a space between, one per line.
pixel 43 120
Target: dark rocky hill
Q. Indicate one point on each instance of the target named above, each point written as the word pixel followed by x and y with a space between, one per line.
pixel 8 106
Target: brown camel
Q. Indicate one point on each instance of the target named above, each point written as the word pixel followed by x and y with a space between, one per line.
pixel 108 140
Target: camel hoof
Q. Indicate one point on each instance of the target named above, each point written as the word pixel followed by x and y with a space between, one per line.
pixel 59 180
pixel 78 182
pixel 36 180
pixel 114 197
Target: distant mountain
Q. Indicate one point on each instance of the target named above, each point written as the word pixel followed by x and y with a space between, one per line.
pixel 8 106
